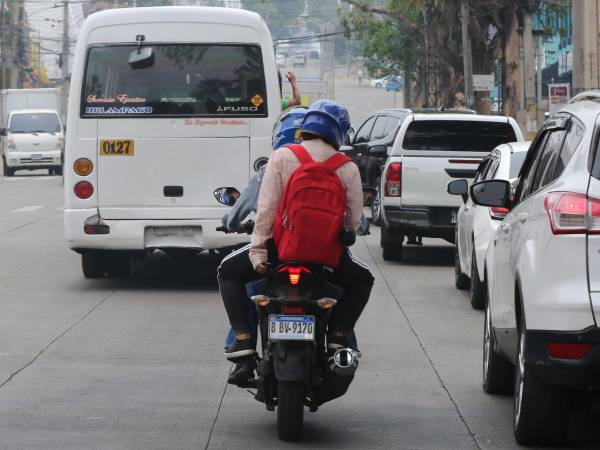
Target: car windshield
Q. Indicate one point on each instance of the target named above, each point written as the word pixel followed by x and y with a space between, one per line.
pixel 516 162
pixel 183 80
pixel 34 123
pixel 454 135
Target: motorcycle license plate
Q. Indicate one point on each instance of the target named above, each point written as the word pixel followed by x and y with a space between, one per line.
pixel 291 328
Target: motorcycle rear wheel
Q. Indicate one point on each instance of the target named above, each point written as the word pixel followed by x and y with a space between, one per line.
pixel 290 410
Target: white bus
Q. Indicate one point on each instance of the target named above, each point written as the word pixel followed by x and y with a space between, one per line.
pixel 166 104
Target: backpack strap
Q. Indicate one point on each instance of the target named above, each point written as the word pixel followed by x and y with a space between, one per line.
pixel 336 161
pixel 300 153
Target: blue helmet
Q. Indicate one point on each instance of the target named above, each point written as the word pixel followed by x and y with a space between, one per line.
pixel 329 120
pixel 287 130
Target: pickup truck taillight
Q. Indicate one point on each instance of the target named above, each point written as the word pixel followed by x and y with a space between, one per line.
pixel 393 180
pixel 572 213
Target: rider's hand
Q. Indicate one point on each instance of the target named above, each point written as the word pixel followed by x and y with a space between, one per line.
pixel 262 268
pixel 291 78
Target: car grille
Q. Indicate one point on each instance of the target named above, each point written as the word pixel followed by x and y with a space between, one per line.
pixel 35 161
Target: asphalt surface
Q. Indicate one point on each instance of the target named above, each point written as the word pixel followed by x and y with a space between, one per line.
pixel 138 363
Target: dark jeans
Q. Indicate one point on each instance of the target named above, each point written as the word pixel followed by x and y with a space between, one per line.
pixel 351 274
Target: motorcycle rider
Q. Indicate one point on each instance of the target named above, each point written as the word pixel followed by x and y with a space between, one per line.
pixel 325 125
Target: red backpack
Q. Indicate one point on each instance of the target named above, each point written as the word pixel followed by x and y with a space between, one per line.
pixel 312 211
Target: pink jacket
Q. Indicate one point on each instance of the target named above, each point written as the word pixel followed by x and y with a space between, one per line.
pixel 280 167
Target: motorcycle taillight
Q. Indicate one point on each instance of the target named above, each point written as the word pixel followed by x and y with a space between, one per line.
pixel 294 273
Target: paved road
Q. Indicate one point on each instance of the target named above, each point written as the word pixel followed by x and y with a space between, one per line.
pixel 137 363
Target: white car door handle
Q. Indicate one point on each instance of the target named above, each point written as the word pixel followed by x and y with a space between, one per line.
pixel 505 227
pixel 523 217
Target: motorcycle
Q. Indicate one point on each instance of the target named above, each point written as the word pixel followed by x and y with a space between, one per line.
pixel 294 303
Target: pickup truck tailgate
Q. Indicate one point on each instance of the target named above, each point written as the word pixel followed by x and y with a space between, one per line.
pixel 424 177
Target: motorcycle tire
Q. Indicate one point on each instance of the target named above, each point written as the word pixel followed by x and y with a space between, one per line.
pixel 290 409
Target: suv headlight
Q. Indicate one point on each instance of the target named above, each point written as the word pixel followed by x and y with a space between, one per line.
pixel 11 144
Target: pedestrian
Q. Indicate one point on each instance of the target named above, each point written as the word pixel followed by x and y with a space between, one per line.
pixel 360 74
pixel 296 99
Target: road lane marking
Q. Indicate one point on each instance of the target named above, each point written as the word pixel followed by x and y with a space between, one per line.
pixel 27 208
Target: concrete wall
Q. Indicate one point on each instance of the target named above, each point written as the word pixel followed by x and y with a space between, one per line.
pixel 586 71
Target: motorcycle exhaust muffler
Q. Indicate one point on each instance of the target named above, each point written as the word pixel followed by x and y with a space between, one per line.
pixel 344 362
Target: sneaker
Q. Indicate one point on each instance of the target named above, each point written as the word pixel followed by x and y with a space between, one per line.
pixel 243 374
pixel 239 351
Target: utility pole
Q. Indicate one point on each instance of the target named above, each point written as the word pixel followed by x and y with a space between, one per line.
pixel 19 51
pixel 66 44
pixel 467 53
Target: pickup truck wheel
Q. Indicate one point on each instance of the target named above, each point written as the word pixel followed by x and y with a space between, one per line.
pixel 93 264
pixel 58 170
pixel 498 373
pixel 477 286
pixel 118 265
pixel 461 281
pixel 541 413
pixel 8 172
pixel 376 204
pixel 391 244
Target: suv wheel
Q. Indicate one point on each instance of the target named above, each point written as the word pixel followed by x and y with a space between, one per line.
pixel 477 286
pixel 540 413
pixel 93 264
pixel 461 281
pixel 498 374
pixel 376 204
pixel 8 172
pixel 391 244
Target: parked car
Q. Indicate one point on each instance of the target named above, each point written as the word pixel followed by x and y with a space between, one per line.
pixel 429 151
pixel 476 225
pixel 394 83
pixel 379 82
pixel 369 149
pixel 299 60
pixel 541 338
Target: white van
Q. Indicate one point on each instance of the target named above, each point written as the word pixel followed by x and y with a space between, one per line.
pixel 166 104
pixel 33 139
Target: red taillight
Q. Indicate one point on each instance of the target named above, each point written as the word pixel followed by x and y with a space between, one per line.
pixel 498 213
pixel 83 189
pixel 393 180
pixel 294 273
pixel 561 350
pixel 293 310
pixel 572 213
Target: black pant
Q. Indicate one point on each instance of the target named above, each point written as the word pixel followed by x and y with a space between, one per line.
pixel 351 274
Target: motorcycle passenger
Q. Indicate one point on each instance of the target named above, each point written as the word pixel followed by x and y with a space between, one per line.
pixel 325 125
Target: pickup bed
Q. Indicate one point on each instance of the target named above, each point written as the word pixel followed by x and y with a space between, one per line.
pixel 429 151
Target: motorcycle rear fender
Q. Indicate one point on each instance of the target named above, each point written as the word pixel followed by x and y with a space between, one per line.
pixel 292 361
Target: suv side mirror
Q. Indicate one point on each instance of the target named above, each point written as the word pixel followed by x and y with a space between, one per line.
pixel 378 151
pixel 459 187
pixel 227 195
pixel 491 193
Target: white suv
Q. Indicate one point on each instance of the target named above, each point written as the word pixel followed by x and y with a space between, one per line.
pixel 476 224
pixel 541 339
pixel 430 150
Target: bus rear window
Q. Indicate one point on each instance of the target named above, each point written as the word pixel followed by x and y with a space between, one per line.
pixel 184 80
pixel 451 135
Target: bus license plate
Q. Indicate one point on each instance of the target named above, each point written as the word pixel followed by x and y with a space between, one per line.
pixel 291 328
pixel 116 147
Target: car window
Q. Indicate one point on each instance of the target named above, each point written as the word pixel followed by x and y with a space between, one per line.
pixel 492 168
pixel 34 123
pixel 379 128
pixel 544 173
pixel 572 140
pixel 527 177
pixel 457 135
pixel 516 162
pixel 482 170
pixel 362 135
pixel 391 125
